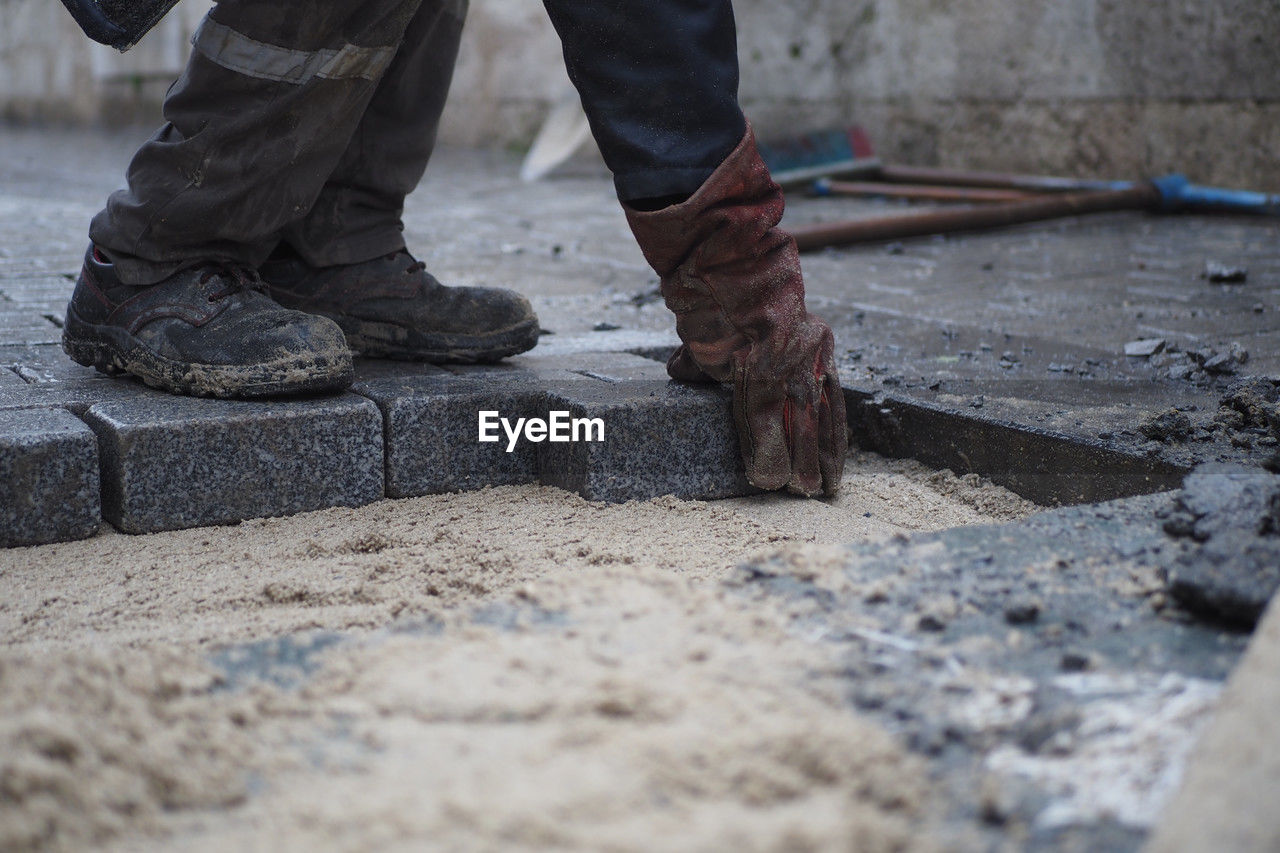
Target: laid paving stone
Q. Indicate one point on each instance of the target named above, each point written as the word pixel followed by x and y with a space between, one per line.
pixel 46 363
pixel 432 429
pixel 76 394
pixel 29 329
pixel 660 438
pixel 554 367
pixel 49 467
pixel 175 462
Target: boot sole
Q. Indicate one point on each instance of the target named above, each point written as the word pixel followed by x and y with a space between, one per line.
pixel 386 340
pixel 113 351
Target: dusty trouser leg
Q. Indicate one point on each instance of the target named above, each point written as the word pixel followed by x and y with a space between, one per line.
pixel 658 80
pixel 256 124
pixel 356 216
pixel 346 258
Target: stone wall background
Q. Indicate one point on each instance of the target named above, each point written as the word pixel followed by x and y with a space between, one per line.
pixel 1109 88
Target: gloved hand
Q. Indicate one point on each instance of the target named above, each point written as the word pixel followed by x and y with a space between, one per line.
pixel 733 280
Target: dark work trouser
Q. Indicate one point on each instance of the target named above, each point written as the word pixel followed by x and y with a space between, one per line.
pixel 309 122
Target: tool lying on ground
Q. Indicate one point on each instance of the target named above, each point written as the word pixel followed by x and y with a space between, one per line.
pixel 797 161
pixel 118 23
pixel 1002 199
pixel 1169 194
pixel 993 180
pixel 922 192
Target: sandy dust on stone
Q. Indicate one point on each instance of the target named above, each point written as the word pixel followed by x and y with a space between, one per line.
pixel 512 667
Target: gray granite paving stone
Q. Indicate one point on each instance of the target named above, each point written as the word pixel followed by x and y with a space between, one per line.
pixel 556 367
pixel 432 422
pixel 49 471
pixel 660 438
pixel 45 363
pixel 176 462
pixel 76 394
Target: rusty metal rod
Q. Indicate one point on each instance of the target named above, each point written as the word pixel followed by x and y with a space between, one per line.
pixel 994 180
pixel 924 192
pixel 1141 196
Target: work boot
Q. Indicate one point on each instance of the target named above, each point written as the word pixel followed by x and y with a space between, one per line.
pixel 391 307
pixel 733 280
pixel 208 331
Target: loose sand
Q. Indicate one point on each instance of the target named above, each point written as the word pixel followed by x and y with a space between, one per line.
pixel 511 667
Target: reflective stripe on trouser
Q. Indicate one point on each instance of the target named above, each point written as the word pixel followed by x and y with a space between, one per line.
pixel 659 81
pixel 308 121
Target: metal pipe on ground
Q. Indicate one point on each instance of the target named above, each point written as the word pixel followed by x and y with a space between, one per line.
pixel 921 192
pixel 994 180
pixel 1142 196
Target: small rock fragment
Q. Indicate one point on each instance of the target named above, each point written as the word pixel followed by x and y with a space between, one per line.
pixel 1224 363
pixel 1022 610
pixel 1144 348
pixel 1227 521
pixel 1169 425
pixel 1076 661
pixel 936 614
pixel 1219 273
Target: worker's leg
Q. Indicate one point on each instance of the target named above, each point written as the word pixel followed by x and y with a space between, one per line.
pixel 258 121
pixel 346 258
pixel 658 79
pixel 261 117
pixel 356 216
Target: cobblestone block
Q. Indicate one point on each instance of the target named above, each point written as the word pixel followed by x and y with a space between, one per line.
pixel 571 367
pixel 46 363
pixel 432 430
pixel 28 329
pixel 49 467
pixel 175 462
pixel 660 438
pixel 75 393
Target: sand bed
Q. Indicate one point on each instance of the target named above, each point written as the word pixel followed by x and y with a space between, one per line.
pixel 512 667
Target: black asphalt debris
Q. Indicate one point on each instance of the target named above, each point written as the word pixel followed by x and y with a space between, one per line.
pixel 1219 273
pixel 1226 521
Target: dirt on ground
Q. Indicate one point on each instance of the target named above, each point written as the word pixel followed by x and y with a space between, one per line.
pixel 515 667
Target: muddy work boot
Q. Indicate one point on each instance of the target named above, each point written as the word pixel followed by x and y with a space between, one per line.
pixel 391 307
pixel 208 331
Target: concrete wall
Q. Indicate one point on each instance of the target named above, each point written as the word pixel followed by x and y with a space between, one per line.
pixel 50 72
pixel 1083 87
pixel 1087 87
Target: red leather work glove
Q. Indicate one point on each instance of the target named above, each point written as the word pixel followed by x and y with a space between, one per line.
pixel 733 280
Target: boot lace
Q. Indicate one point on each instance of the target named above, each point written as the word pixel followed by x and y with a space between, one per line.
pixel 234 278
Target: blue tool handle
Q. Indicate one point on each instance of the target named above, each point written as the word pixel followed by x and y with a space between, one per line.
pixel 1177 193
